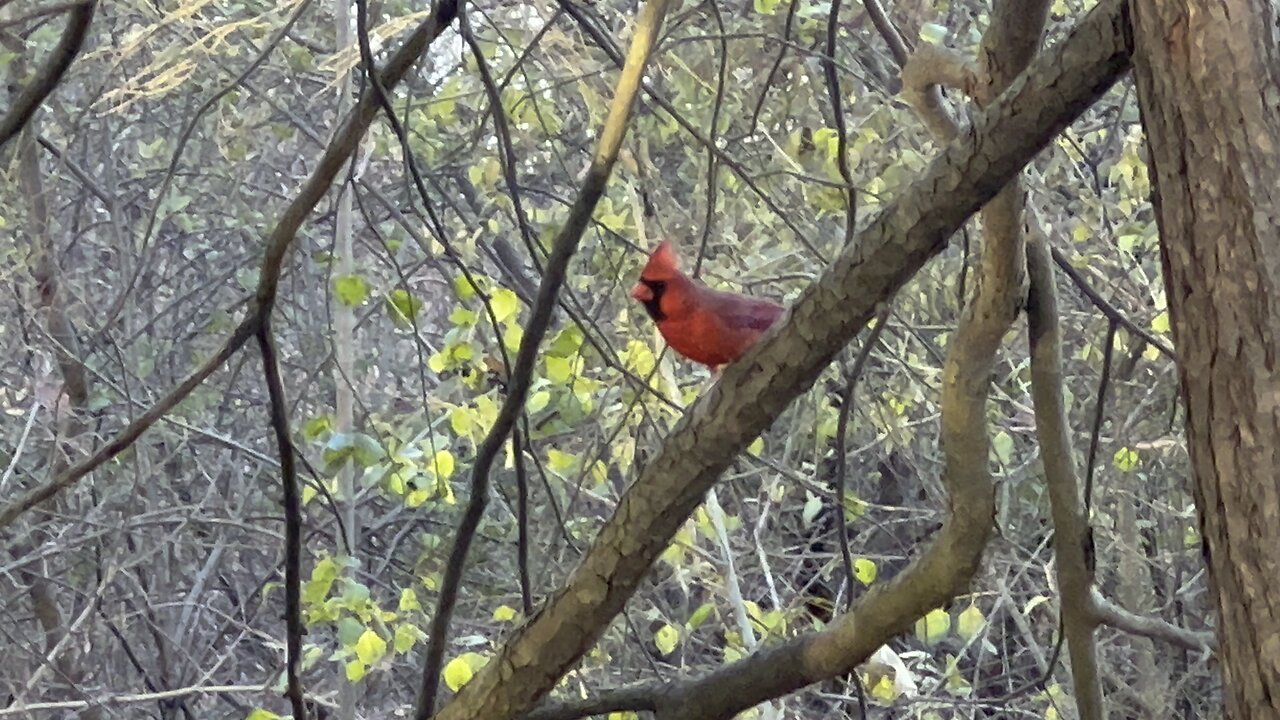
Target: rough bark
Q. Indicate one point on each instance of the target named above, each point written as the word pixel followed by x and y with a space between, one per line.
pixel 1208 79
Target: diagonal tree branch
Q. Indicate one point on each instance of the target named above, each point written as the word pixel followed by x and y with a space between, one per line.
pixel 1058 86
pixel 25 104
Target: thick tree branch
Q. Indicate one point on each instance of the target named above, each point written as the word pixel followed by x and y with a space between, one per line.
pixel 1059 85
pixel 929 69
pixel 1106 612
pixel 1072 538
pixel 29 99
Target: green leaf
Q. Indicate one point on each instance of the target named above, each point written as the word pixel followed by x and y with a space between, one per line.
pixel 151 150
pixel 406 636
pixel 666 639
pixel 349 631
pixel 559 369
pixel 402 308
pixel 865 570
pixel 409 600
pixel 933 627
pixel 355 594
pixel 538 401
pixel 504 303
pixel 700 615
pixel 317 427
pixel 933 33
pixel 1002 445
pixel 970 623
pixel 351 290
pixel 1126 459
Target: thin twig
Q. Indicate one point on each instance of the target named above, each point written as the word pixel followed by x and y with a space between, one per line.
pixel 1099 411
pixel 1111 311
pixel 292 522
pixel 842 133
pixel 842 438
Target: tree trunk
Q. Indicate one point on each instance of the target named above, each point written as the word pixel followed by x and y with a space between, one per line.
pixel 1208 80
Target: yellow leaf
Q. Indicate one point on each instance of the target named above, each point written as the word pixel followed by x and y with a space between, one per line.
pixel 1126 459
pixel 461 419
pixel 457 673
pixel 512 336
pixel 504 613
pixel 666 639
pixel 308 492
pixel 443 464
pixel 970 623
pixel 756 447
pixel 884 690
pixel 933 627
pixel 538 401
pixel 504 303
pixel 417 497
pixel 370 647
pixel 865 570
pixel 409 600
pixel 260 714
pixel 355 670
pixel 558 369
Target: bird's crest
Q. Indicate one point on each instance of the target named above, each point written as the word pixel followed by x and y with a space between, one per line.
pixel 663 261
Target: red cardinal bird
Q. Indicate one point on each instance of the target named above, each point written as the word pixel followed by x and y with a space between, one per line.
pixel 707 326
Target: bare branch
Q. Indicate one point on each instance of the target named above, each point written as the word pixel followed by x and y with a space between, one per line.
pixel 1106 612
pixel 292 522
pixel 1072 537
pixel 59 61
pixel 1111 311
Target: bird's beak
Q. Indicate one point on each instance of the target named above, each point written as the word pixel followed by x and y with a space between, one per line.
pixel 642 292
